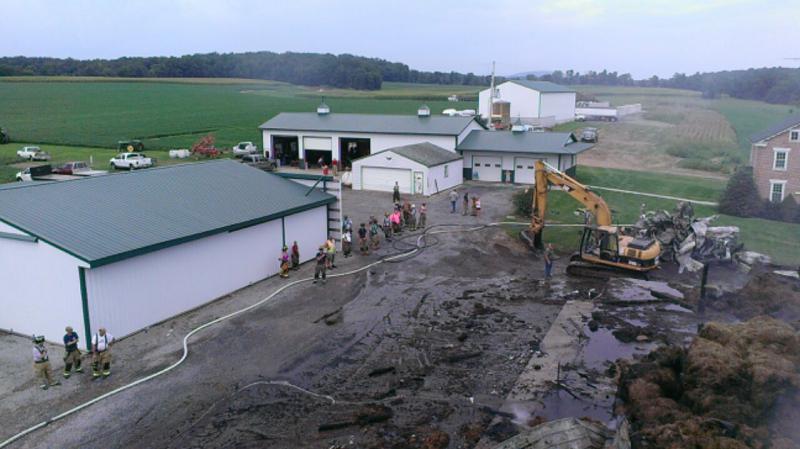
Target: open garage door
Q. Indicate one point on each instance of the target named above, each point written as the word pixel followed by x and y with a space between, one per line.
pixel 524 170
pixel 487 168
pixel 383 179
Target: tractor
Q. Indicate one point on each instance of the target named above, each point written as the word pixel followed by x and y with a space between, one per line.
pixel 4 136
pixel 130 146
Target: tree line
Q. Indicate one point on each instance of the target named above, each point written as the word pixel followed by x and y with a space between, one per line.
pixel 309 69
pixel 771 84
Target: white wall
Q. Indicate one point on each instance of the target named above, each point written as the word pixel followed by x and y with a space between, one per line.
pixel 473 125
pixel 134 293
pixel 567 160
pixel 306 229
pixel 560 105
pixel 524 101
pixel 387 159
pixel 435 176
pixel 378 142
pixel 40 288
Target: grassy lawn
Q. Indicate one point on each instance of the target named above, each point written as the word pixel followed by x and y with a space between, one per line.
pixel 176 112
pixel 680 186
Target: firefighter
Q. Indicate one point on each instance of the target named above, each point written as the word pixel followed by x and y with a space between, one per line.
pixel 41 363
pixel 284 259
pixel 72 355
pixel 101 350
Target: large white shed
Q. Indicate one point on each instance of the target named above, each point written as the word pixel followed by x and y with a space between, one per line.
pixel 126 251
pixel 422 169
pixel 532 101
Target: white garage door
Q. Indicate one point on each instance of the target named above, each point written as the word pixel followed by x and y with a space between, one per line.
pixel 317 143
pixel 524 170
pixel 487 168
pixel 383 179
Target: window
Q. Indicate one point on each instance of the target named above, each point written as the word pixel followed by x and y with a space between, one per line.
pixel 794 135
pixel 780 159
pixel 776 191
pixel 446 171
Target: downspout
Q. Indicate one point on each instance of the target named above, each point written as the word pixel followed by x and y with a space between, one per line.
pixel 87 327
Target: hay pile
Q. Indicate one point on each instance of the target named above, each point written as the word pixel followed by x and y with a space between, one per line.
pixel 733 388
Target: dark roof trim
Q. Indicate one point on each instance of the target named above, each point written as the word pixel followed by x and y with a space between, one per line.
pixel 230 228
pixel 24 238
pixel 304 176
pixel 162 245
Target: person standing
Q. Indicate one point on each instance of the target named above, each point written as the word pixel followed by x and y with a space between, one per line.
pixel 413 218
pixel 477 206
pixel 72 355
pixel 41 363
pixel 362 239
pixel 295 256
pixel 387 227
pixel 347 224
pixel 453 201
pixel 423 216
pixel 406 214
pixel 331 250
pixel 465 204
pixel 319 269
pixel 347 243
pixel 284 259
pixel 548 261
pixel 396 193
pixel 101 349
pixel 375 239
pixel 395 217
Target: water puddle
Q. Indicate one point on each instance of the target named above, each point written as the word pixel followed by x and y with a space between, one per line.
pixel 558 404
pixel 639 290
pixel 604 348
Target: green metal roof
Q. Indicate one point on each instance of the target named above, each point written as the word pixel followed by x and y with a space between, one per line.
pixel 543 86
pixel 523 142
pixel 107 218
pixel 368 123
pixel 424 153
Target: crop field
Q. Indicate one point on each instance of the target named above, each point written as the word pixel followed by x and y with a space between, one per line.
pixel 171 114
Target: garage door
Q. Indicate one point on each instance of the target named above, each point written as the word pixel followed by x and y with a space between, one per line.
pixel 317 143
pixel 487 168
pixel 524 170
pixel 383 179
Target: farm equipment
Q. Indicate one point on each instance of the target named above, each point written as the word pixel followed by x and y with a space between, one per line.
pixel 205 147
pixel 604 250
pixel 130 146
pixel 4 138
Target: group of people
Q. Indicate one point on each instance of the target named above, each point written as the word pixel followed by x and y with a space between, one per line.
pixel 101 357
pixel 470 205
pixel 325 258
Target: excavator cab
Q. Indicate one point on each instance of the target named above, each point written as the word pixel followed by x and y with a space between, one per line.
pixel 601 242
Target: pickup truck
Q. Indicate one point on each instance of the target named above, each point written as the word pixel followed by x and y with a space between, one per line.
pixel 244 148
pixel 130 161
pixel 33 154
pixel 589 135
pixel 42 173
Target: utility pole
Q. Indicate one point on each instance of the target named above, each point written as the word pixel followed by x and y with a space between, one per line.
pixel 491 99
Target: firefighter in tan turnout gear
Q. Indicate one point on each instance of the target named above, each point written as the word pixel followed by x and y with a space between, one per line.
pixel 101 353
pixel 41 363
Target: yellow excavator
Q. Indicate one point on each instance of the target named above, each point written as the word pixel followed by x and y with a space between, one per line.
pixel 604 250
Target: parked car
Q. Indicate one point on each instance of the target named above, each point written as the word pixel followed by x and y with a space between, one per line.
pixel 244 148
pixel 258 160
pixel 130 161
pixel 33 154
pixel 589 135
pixel 70 168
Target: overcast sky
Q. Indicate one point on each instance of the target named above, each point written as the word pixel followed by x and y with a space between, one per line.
pixel 641 37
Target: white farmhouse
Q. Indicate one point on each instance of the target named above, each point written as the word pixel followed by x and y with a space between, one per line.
pixel 129 250
pixel 537 102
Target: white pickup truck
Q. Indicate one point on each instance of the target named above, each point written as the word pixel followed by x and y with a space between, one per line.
pixel 130 161
pixel 33 154
pixel 244 148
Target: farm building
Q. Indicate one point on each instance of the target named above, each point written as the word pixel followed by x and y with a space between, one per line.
pixel 294 136
pixel 420 168
pixel 509 156
pixel 776 169
pixel 129 250
pixel 539 103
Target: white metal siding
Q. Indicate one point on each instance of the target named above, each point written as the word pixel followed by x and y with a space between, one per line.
pixel 383 179
pixel 309 229
pixel 40 288
pixel 437 182
pixel 559 105
pixel 317 143
pixel 134 293
pixel 524 101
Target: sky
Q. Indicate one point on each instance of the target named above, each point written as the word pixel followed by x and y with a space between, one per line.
pixel 640 37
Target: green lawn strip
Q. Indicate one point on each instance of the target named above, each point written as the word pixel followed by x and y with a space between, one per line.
pixel 691 187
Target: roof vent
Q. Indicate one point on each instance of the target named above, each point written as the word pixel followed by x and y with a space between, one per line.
pixel 323 108
pixel 424 111
pixel 518 127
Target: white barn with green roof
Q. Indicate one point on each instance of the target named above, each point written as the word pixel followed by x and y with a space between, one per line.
pixel 532 101
pixel 126 251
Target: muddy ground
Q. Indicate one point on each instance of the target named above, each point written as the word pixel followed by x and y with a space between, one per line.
pixel 453 348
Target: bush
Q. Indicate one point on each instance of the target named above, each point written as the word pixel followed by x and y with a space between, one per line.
pixel 788 209
pixel 740 198
pixel 523 202
pixel 700 164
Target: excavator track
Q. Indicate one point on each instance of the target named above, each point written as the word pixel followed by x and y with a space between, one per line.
pixel 580 268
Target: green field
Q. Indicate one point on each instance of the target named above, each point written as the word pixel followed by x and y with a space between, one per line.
pixel 174 114
pixel 780 240
pixel 748 117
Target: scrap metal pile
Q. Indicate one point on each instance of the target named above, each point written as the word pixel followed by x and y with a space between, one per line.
pixel 687 240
